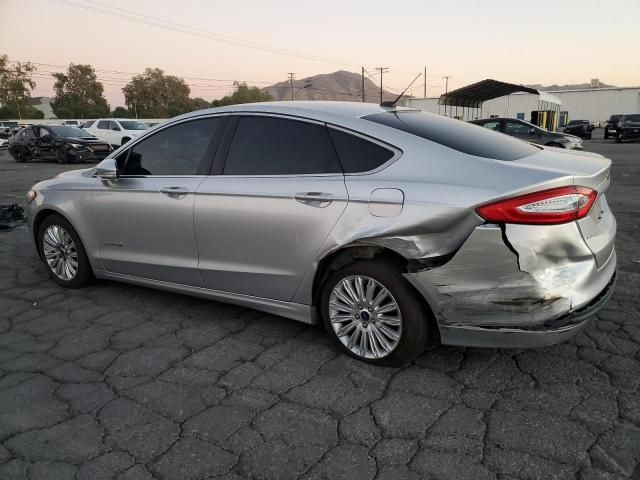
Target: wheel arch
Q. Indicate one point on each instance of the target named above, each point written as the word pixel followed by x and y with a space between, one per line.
pixel 348 254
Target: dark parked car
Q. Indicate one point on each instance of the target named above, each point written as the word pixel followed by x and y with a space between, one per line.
pixel 611 127
pixel 59 142
pixel 530 132
pixel 581 128
pixel 628 128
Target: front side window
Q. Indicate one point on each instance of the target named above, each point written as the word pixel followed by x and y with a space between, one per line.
pixel 276 146
pixel 358 155
pixel 461 136
pixel 88 124
pixel 176 150
pixel 114 126
pixel 104 125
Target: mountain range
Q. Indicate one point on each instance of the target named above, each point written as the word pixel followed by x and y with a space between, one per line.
pixel 347 86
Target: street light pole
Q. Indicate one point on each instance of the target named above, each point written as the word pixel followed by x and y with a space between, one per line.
pixel 382 70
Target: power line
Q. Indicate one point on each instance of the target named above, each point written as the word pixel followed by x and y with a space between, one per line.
pixel 97 7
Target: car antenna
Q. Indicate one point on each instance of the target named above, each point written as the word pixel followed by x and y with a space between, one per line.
pixel 393 104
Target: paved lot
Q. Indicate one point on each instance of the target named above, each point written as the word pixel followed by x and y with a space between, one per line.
pixel 116 381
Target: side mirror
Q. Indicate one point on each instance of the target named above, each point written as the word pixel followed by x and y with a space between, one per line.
pixel 107 170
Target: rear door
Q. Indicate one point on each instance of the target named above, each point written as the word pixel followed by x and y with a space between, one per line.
pixel 262 219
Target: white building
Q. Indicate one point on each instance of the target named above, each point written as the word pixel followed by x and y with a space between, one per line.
pixel 593 104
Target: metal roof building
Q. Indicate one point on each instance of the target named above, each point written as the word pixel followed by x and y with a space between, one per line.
pixel 593 104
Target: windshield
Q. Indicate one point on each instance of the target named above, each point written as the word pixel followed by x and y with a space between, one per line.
pixel 615 118
pixel 577 122
pixel 69 132
pixel 631 118
pixel 133 125
pixel 456 134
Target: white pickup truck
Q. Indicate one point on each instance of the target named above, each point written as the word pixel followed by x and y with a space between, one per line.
pixel 116 131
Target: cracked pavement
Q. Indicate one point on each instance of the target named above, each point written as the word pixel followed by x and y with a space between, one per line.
pixel 122 382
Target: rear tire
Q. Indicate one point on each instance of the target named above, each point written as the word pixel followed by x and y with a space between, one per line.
pixel 62 253
pixel 395 324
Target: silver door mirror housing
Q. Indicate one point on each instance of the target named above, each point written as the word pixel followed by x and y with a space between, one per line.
pixel 107 170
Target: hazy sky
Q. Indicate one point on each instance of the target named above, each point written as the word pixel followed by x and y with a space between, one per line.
pixel 522 42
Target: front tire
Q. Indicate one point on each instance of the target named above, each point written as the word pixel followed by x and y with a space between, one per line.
pixel 19 155
pixel 373 314
pixel 606 134
pixel 62 157
pixel 63 254
pixel 619 138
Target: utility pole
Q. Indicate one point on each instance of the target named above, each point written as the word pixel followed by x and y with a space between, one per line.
pixel 446 82
pixel 382 70
pixel 291 75
pixel 362 84
pixel 425 81
pixel 307 85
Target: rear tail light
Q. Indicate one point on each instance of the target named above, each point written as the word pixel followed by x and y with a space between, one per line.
pixel 548 207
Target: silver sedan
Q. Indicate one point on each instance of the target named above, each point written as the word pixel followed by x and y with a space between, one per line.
pixel 394 228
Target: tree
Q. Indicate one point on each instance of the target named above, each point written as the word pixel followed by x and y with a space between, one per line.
pixel 199 103
pixel 20 111
pixel 243 94
pixel 121 112
pixel 15 88
pixel 156 95
pixel 79 94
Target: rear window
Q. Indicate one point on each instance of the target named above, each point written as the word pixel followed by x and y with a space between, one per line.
pixel 458 135
pixel 577 122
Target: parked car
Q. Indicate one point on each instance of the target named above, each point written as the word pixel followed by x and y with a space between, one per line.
pixel 116 131
pixel 59 142
pixel 8 127
pixel 72 123
pixel 393 227
pixel 611 128
pixel 530 132
pixel 628 128
pixel 580 128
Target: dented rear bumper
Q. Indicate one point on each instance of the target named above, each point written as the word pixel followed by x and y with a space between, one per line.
pixel 519 285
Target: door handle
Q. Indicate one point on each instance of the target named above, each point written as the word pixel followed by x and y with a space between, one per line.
pixel 174 191
pixel 314 199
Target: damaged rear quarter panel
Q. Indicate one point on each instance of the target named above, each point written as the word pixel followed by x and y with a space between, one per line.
pixel 515 275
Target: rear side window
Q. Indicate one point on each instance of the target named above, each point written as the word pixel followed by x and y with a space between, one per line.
pixel 278 146
pixel 357 154
pixel 88 124
pixel 458 135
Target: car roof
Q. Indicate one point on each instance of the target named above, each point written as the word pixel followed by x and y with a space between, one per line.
pixel 322 110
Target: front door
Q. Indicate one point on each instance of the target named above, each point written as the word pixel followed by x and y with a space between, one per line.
pixel 144 220
pixel 260 223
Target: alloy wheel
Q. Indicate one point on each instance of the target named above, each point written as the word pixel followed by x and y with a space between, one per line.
pixel 365 317
pixel 60 252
